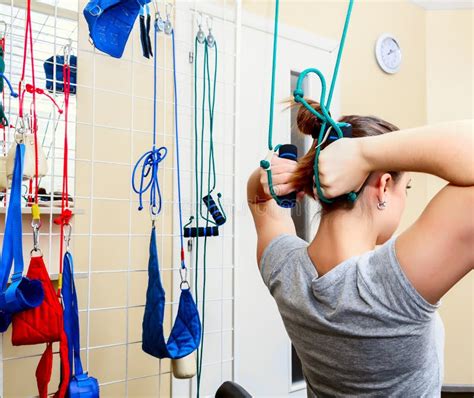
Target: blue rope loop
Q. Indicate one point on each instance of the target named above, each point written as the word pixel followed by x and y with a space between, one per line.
pixel 148 165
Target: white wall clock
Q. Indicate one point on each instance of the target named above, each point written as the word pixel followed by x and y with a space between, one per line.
pixel 388 53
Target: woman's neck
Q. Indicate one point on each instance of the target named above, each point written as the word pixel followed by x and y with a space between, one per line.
pixel 341 235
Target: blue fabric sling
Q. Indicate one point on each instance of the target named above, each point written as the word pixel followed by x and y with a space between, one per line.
pixel 48 66
pixel 23 293
pixel 81 385
pixel 110 23
pixel 186 333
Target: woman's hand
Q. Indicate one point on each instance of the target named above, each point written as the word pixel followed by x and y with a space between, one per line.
pixel 342 167
pixel 282 171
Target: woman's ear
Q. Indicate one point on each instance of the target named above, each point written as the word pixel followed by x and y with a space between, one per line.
pixel 384 181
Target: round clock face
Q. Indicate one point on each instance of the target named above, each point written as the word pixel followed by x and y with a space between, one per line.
pixel 388 53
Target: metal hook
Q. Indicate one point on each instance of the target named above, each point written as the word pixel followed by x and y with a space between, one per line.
pixel 168 28
pixel 200 35
pixel 67 235
pixel 22 127
pixel 211 41
pixel 67 50
pixel 211 19
pixel 3 32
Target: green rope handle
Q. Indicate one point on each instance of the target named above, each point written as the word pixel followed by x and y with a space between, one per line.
pixel 299 97
pixel 325 104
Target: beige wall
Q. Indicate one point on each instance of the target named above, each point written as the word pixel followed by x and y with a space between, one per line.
pixel 435 83
pixel 449 73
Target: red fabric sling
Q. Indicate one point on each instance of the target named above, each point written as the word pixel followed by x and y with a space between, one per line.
pixel 44 324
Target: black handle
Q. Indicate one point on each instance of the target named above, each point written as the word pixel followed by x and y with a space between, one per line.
pixel 288 151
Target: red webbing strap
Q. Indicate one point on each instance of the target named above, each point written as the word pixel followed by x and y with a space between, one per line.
pixel 21 91
pixel 66 213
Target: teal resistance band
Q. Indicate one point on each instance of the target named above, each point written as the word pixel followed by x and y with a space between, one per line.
pixel 266 163
pixel 325 105
pixel 328 121
pixel 207 101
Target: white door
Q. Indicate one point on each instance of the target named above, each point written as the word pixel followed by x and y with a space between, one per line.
pixel 262 347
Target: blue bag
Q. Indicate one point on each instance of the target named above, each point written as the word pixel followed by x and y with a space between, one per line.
pixel 48 66
pixel 110 23
pixel 81 385
pixel 23 293
pixel 186 333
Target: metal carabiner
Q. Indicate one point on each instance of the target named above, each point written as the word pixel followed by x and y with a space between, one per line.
pixel 67 235
pixel 36 225
pixel 67 50
pixel 3 32
pixel 183 273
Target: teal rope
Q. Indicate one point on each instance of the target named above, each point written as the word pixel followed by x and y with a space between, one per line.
pixel 325 105
pixel 272 92
pixel 208 92
pixel 266 164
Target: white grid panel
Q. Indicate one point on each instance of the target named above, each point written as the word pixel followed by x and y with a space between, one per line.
pixel 88 237
pixel 219 325
pixel 52 30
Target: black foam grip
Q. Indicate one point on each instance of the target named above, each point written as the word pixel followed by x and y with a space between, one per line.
pixel 288 151
pixel 193 232
pixel 232 390
pixel 213 209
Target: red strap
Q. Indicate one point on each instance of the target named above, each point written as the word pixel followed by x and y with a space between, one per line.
pixel 44 370
pixel 66 213
pixel 22 91
pixel 30 89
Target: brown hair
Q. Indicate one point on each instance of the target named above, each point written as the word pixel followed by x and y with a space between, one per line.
pixel 308 124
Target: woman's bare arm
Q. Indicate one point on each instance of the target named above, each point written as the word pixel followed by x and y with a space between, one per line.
pixel 437 250
pixel 270 219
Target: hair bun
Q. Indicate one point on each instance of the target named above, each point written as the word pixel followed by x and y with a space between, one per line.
pixel 308 123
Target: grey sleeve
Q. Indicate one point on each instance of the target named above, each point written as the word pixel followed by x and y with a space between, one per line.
pixel 383 276
pixel 278 261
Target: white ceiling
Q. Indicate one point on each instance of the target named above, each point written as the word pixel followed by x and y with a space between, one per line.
pixel 445 4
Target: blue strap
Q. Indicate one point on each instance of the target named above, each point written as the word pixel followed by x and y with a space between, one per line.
pixel 71 316
pixel 12 251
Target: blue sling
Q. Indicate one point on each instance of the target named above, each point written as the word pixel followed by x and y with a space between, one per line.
pixel 110 23
pixel 80 385
pixel 23 293
pixel 186 333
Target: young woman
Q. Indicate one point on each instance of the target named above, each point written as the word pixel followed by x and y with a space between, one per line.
pixel 363 318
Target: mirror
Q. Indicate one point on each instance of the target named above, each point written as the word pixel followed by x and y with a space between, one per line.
pixel 55 26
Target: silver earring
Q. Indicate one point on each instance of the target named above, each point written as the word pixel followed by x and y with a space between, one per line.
pixel 382 205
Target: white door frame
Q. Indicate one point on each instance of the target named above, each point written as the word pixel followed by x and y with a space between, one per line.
pixel 252 21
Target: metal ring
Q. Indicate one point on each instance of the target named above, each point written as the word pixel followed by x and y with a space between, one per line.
pixel 36 250
pixel 185 283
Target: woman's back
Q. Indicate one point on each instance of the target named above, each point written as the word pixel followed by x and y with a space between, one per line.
pixel 360 329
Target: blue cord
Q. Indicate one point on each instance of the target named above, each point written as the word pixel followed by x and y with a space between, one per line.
pixel 150 160
pixel 178 169
pixel 12 91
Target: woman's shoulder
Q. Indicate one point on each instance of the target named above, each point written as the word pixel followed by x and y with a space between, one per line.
pixel 283 251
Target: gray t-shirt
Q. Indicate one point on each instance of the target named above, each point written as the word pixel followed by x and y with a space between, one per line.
pixel 361 329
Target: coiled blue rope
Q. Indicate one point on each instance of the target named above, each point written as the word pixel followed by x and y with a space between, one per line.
pixel 149 162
